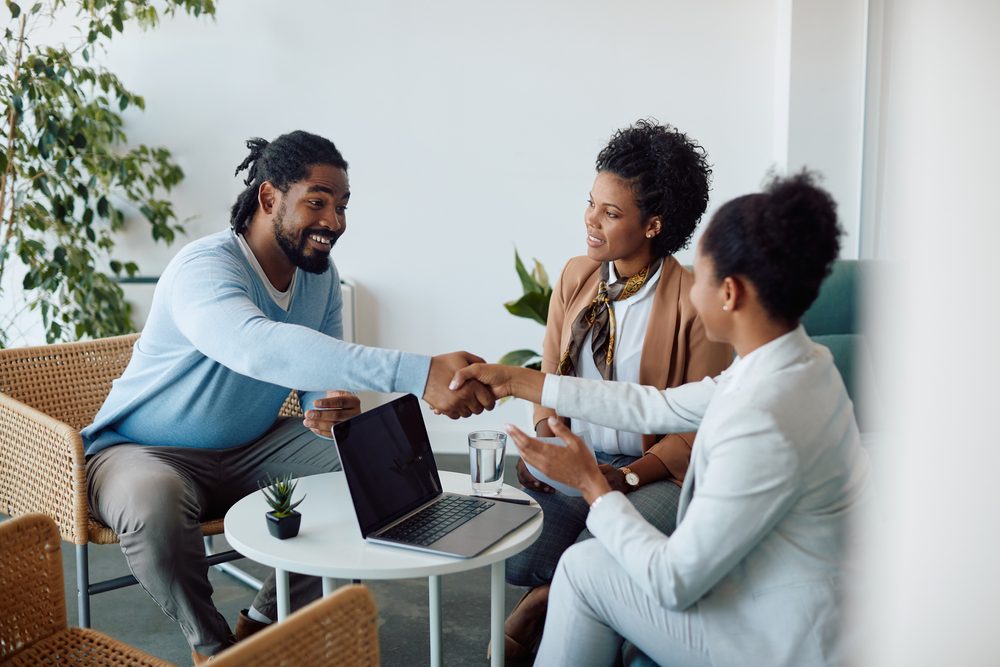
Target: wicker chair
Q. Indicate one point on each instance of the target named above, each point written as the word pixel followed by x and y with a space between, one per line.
pixel 47 394
pixel 340 629
pixel 33 628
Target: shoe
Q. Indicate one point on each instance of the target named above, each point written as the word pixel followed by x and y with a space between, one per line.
pixel 246 626
pixel 523 628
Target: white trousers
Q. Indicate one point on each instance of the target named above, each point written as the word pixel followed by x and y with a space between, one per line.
pixel 594 606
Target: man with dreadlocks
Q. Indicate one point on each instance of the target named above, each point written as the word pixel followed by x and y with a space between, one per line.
pixel 238 318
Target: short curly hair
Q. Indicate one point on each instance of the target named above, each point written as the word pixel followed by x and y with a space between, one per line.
pixel 669 176
pixel 783 240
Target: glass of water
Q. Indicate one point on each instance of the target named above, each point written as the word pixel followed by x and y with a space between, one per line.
pixel 486 461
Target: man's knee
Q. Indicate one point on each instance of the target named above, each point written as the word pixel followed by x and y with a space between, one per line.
pixel 162 502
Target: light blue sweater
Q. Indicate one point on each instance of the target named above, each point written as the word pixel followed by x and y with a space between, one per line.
pixel 218 356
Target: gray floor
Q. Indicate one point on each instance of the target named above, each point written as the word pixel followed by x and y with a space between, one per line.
pixel 131 616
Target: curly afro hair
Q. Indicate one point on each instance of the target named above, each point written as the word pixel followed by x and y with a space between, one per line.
pixel 282 162
pixel 783 240
pixel 669 176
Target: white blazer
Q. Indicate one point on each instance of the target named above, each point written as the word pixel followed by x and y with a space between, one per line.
pixel 775 472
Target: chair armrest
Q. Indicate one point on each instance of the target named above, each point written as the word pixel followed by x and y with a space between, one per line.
pixel 42 468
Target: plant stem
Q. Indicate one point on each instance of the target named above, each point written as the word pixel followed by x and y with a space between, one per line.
pixel 7 180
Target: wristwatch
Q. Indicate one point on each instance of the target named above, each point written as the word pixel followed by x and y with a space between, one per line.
pixel 630 477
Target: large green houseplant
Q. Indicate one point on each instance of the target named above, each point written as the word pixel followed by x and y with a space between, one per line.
pixel 67 179
pixel 533 304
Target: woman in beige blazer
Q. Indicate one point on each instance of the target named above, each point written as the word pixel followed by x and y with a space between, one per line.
pixel 622 313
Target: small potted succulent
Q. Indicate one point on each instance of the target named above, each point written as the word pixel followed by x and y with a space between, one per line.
pixel 283 521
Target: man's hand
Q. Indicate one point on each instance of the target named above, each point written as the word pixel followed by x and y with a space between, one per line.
pixel 503 380
pixel 571 464
pixel 529 481
pixel 467 401
pixel 336 407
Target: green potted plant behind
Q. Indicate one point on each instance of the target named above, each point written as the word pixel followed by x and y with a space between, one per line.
pixel 533 304
pixel 282 521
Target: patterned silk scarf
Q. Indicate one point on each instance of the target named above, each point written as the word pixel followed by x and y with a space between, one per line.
pixel 599 317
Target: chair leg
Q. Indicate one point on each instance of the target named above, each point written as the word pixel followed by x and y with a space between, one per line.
pixel 236 573
pixel 82 586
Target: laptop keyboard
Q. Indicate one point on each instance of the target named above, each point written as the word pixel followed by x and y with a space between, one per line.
pixel 435 521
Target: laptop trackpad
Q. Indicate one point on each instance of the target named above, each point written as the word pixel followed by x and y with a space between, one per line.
pixel 482 532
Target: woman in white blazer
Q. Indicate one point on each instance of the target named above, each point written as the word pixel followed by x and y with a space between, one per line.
pixel 752 575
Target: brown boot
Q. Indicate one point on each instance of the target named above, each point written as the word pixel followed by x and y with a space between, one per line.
pixel 523 628
pixel 246 626
pixel 199 659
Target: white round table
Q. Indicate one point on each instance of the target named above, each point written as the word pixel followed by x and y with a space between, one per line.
pixel 329 545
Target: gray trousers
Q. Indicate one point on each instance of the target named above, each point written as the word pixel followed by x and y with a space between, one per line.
pixel 566 523
pixel 155 498
pixel 594 604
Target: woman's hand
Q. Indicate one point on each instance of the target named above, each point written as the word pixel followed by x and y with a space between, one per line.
pixel 615 478
pixel 572 464
pixel 336 407
pixel 503 380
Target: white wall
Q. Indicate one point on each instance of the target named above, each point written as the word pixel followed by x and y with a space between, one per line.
pixel 472 127
pixel 932 595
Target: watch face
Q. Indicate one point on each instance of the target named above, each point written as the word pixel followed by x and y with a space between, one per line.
pixel 632 479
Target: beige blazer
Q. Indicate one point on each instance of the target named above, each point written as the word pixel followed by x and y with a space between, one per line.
pixel 675 350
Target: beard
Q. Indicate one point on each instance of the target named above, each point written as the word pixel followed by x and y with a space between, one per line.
pixel 297 250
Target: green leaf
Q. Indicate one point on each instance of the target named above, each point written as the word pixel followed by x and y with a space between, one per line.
pixel 518 357
pixel 540 276
pixel 534 306
pixel 528 283
pixel 15 9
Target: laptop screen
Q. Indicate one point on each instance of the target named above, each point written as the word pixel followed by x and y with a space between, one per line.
pixel 388 462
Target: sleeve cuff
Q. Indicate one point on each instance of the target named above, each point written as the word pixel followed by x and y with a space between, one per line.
pixel 411 373
pixel 550 390
pixel 609 510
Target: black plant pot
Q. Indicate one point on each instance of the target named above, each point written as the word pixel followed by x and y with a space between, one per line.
pixel 284 527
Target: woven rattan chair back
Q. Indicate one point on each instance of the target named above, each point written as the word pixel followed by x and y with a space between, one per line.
pixel 340 629
pixel 31 582
pixel 33 628
pixel 68 381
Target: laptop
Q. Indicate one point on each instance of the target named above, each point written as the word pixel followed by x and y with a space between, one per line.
pixel 396 489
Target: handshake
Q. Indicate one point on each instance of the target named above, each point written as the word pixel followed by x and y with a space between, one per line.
pixel 457 388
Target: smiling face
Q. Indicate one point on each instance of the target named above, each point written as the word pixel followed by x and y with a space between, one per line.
pixel 615 229
pixel 311 216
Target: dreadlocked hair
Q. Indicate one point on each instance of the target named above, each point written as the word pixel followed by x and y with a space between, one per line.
pixel 282 162
pixel 669 176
